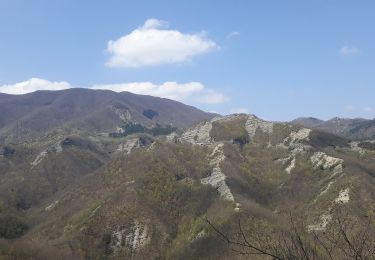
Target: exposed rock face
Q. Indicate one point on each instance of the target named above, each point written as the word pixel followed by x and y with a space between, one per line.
pixel 253 123
pixel 135 237
pixel 217 177
pixel 300 135
pixel 199 134
pixel 325 190
pixel 39 158
pixel 354 147
pixel 128 145
pixel 294 142
pixel 343 196
pixel 326 218
pixel 119 130
pixel 326 162
pixel 172 138
pixel 291 166
pixel 56 148
pixel 51 206
pixel 123 113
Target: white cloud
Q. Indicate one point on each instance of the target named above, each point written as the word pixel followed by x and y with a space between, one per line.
pixel 233 34
pixel 153 44
pixel 240 110
pixel 32 85
pixel 192 91
pixel 349 51
pixel 211 96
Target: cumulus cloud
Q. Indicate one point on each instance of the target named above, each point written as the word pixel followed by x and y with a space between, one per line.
pixel 191 91
pixel 211 96
pixel 185 92
pixel 349 51
pixel 154 44
pixel 32 85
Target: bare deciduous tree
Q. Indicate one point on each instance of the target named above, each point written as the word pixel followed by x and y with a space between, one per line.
pixel 344 238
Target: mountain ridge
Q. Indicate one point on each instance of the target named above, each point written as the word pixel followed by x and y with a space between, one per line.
pixel 354 128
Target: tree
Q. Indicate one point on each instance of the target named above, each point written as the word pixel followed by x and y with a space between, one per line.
pixel 346 237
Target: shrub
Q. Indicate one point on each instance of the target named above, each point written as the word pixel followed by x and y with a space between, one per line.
pixel 11 226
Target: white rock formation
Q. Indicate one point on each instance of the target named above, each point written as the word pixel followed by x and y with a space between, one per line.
pixel 217 177
pixel 58 147
pixel 128 145
pixel 300 135
pixel 322 224
pixel 136 237
pixel 326 218
pixel 291 166
pixel 294 143
pixel 39 158
pixel 123 115
pixel 325 190
pixel 173 138
pixel 200 134
pixel 119 130
pixel 326 162
pixel 51 206
pixel 320 159
pixel 201 234
pixel 343 196
pixel 253 123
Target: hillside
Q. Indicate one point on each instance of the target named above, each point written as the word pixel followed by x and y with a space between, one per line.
pixel 31 116
pixel 358 128
pixel 150 199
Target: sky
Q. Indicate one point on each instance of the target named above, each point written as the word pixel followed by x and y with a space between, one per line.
pixel 276 59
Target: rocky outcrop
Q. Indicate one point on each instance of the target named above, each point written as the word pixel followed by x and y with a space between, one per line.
pixel 217 177
pixel 51 206
pixel 122 113
pixel 325 219
pixel 253 123
pixel 343 196
pixel 296 146
pixel 128 145
pixel 326 162
pixel 56 148
pixel 39 158
pixel 199 134
pixel 135 237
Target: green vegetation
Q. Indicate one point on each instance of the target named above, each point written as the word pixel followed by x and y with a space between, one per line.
pixel 233 130
pixel 149 113
pixel 8 151
pixel 135 128
pixel 11 225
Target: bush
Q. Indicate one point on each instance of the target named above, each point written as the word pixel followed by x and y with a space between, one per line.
pixel 11 226
pixel 149 113
pixel 135 128
pixel 8 151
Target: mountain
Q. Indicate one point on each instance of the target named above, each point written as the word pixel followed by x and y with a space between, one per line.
pixel 358 128
pixel 151 196
pixel 30 116
pixel 51 139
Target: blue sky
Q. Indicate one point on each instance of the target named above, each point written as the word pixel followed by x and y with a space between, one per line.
pixel 276 59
